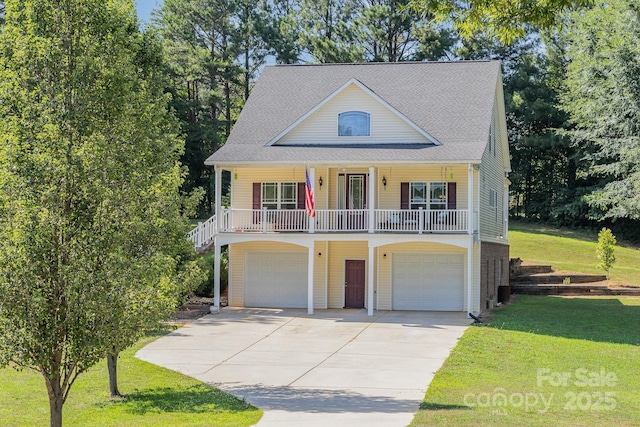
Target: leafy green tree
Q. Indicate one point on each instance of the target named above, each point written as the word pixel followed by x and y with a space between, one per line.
pixel 605 250
pixel 501 19
pixel 91 231
pixel 603 100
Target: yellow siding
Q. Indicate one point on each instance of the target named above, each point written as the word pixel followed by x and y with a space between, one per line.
pixel 320 276
pixel 338 253
pixel 492 178
pixel 243 179
pixel 384 268
pixel 390 196
pixel 322 125
pixel 236 255
pixel 327 197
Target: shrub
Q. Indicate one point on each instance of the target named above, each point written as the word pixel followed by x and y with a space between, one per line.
pixel 605 250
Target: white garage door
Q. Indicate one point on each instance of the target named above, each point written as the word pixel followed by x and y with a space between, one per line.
pixel 428 282
pixel 275 279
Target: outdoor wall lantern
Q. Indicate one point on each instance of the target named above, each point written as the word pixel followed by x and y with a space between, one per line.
pixel 384 181
pixel 320 182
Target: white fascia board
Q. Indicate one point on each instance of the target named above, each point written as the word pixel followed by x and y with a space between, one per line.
pixel 502 122
pixel 366 90
pixel 338 164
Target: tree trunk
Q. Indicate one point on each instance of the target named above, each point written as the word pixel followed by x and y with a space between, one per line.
pixel 56 400
pixel 112 364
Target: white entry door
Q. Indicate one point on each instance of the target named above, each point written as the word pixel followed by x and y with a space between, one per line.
pixel 428 282
pixel 275 279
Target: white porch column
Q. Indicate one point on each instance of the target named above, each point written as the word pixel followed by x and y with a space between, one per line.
pixel 470 219
pixel 216 276
pixel 372 198
pixel 312 220
pixel 370 281
pixel 218 198
pixel 310 278
pixel 470 277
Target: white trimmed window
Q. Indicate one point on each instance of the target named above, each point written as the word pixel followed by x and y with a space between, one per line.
pixel 493 201
pixel 493 198
pixel 438 195
pixel 354 123
pixel 418 195
pixel 432 195
pixel 279 195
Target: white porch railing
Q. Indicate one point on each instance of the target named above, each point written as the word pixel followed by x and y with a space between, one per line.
pixel 203 234
pixel 345 220
pixel 422 221
pixel 264 220
pixel 342 220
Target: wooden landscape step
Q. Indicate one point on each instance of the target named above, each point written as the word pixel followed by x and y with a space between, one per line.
pixel 527 278
pixel 571 290
pixel 528 269
pixel 559 278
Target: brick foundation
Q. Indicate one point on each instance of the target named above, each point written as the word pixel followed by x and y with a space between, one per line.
pixel 494 272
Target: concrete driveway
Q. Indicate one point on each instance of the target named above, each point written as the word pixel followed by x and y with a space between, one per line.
pixel 334 368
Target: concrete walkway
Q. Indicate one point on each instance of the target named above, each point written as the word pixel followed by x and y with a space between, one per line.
pixel 335 368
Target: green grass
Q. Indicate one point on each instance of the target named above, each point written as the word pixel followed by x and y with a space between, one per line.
pixel 560 335
pixel 155 397
pixel 573 251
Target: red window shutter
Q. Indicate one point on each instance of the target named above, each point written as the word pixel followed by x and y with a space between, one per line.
pixel 451 195
pixel 257 195
pixel 404 195
pixel 301 195
pixel 257 201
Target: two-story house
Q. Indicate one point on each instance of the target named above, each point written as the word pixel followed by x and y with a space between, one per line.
pixel 408 163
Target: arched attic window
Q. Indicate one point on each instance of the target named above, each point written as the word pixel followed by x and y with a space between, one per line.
pixel 354 123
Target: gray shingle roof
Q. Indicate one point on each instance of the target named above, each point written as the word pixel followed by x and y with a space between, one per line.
pixel 452 101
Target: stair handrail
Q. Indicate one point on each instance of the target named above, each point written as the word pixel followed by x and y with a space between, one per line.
pixel 204 233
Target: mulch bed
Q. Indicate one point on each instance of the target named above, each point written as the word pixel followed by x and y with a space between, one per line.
pixel 194 308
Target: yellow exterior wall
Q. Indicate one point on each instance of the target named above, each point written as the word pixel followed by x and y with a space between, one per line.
pixel 338 253
pixel 327 197
pixel 322 125
pixel 390 196
pixel 242 180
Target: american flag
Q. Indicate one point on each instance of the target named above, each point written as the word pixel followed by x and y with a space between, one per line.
pixel 309 203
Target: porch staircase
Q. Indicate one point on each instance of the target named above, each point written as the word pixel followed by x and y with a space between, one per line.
pixel 203 235
pixel 536 279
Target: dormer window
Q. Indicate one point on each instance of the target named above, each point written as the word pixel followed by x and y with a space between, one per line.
pixel 354 123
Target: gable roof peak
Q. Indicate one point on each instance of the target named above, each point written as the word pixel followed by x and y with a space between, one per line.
pixel 363 87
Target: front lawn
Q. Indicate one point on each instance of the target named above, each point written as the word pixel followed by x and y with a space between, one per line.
pixel 155 397
pixel 543 361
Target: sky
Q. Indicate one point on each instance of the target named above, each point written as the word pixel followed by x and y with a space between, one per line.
pixel 144 8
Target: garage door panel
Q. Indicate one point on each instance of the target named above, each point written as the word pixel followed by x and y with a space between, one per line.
pixel 428 282
pixel 275 279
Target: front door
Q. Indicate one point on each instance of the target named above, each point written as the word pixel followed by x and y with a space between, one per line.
pixel 354 283
pixel 356 200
